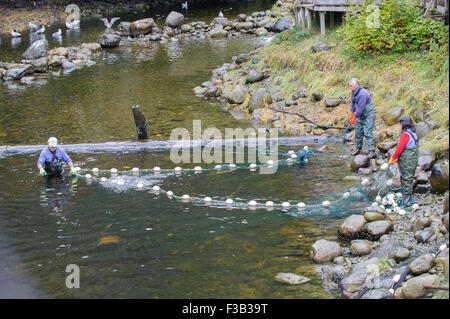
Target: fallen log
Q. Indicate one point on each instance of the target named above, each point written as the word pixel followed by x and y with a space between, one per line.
pixel 324 127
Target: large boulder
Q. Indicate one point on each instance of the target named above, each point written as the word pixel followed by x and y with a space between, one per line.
pixel 124 28
pixel 360 247
pixel 422 264
pixel 259 99
pixel 143 26
pixel 238 94
pixel 426 162
pixel 61 51
pixel 254 76
pixel 360 161
pixel 422 129
pixel 175 19
pixel 244 26
pixel 40 65
pixel 332 102
pixel 352 226
pixel 325 250
pixel 36 50
pixel 18 72
pixel 320 46
pixel 217 33
pixel 93 46
pixel 282 24
pixel 374 230
pixel 439 178
pixel 384 147
pixel 392 115
pixel 109 40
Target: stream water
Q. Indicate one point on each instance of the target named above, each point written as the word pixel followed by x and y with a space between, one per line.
pixel 136 244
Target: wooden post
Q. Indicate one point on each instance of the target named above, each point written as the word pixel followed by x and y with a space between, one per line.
pixel 322 23
pixel 141 123
pixel 309 12
pixel 302 17
pixel 331 19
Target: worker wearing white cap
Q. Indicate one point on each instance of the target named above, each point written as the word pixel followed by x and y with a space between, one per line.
pixel 50 160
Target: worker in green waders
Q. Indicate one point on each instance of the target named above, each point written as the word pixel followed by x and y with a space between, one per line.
pixel 407 157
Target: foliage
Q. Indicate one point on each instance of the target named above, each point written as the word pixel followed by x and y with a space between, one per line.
pixel 392 26
pixel 292 36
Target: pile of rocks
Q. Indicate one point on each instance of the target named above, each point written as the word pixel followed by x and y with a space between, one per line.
pixel 38 59
pixel 377 246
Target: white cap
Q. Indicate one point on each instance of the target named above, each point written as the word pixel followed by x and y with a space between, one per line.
pixel 52 142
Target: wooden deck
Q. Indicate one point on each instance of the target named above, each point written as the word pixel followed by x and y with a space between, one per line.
pixel 304 10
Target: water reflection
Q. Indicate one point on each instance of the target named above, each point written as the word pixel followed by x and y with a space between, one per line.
pixel 57 193
pixel 73 34
pixel 36 36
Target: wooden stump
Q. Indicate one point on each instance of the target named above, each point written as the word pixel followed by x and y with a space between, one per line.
pixel 141 123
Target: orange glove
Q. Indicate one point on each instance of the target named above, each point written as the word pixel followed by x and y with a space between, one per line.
pixel 393 161
pixel 352 118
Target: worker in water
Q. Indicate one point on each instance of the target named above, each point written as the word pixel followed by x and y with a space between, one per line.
pixel 50 160
pixel 363 114
pixel 407 157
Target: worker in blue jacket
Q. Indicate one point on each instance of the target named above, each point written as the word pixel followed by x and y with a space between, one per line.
pixel 363 113
pixel 50 160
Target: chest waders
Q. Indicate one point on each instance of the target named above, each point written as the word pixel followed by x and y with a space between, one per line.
pixel 365 126
pixel 407 164
pixel 54 167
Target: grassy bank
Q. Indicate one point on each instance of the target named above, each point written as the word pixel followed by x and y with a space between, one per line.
pixel 415 79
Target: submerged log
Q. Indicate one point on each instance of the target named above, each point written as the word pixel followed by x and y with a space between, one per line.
pixel 141 123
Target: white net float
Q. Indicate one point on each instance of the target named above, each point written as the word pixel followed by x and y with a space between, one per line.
pixel 443 247
pixel 140 185
pixel 270 162
pixel 346 195
pixel 207 199
pixel 197 169
pixel 232 166
pixel 301 205
pixel 113 170
pixel 185 197
pixel 384 167
pixel 397 209
pixel 378 199
pixel 391 291
pixel 78 168
pixel 169 193
pixel 285 204
pixel 305 160
pixel 252 166
pixel 252 203
pixel 291 152
pixel 177 169
pixel 95 170
pixel 389 182
pixel 388 211
pixel 156 188
pixel 103 179
pixel 269 204
pixel 294 156
pixel 229 201
pixel 135 169
pixel 290 161
pixel 382 207
pixel 218 167
pixel 396 278
pixel 365 182
pixel 415 206
pixel 156 169
pixel 326 203
pixel 120 182
pixel 402 212
pixel 399 195
pixel 391 197
pixel 374 204
pixel 306 148
pixel 88 176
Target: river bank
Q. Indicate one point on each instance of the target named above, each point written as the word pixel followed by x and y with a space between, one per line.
pixel 306 75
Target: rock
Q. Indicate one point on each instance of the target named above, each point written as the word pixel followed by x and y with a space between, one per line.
pixel 352 226
pixel 331 277
pixel 175 19
pixel 282 24
pixel 124 28
pixel 61 51
pixel 424 235
pixel 186 28
pixel 259 99
pixel 217 33
pixel 324 250
pixel 422 188
pixel 414 287
pixel 261 32
pixel 244 26
pixel 15 73
pixel 332 102
pixel 392 115
pixel 422 264
pixel 443 263
pixel 67 65
pixel 445 207
pixel 378 293
pixel 238 94
pixel 422 178
pixel 55 60
pixel 242 17
pixel 371 216
pixel 359 161
pixel 155 37
pixel 242 58
pixel 93 46
pixel 40 65
pixel 422 129
pixel 421 223
pixel 199 91
pixel 384 147
pixel 401 254
pixel 338 260
pixel 254 76
pixel 426 162
pixel 445 220
pixel 360 247
pixel 141 27
pixel 316 97
pixel 439 178
pixel 37 49
pixel 109 40
pixel 27 80
pixel 320 46
pixel 291 279
pixel 374 230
